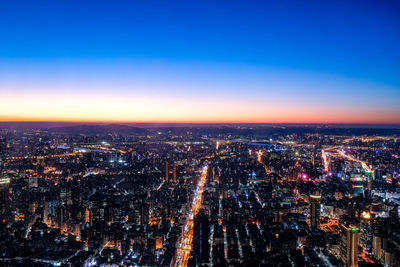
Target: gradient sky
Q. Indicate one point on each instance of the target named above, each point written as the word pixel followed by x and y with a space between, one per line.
pixel 200 61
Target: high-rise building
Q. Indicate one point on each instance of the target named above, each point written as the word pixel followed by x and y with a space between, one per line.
pixel 315 209
pixel 87 216
pixel 376 246
pixel 349 245
pixel 61 217
pixel 4 187
pixel 201 232
pixel 166 172
pixel 144 213
pixel 366 230
pixel 174 173
pixel 3 147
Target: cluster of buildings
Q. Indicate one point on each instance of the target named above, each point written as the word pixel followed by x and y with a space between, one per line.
pixel 188 197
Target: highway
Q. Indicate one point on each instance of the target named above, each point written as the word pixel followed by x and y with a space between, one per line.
pixel 325 160
pixel 41 157
pixel 363 164
pixel 71 154
pixel 335 152
pixel 260 154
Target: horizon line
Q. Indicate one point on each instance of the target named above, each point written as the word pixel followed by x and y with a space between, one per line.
pixel 199 122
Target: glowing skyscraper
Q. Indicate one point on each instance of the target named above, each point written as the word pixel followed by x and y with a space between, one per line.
pixel 166 172
pixel 174 173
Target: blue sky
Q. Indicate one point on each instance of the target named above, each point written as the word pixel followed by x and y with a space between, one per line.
pixel 345 50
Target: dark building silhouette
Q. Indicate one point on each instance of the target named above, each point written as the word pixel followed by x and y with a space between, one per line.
pixel 349 245
pixel 201 232
pixel 166 172
pixel 144 213
pixel 315 209
pixel 4 187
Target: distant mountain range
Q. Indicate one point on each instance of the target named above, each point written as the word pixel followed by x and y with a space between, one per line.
pixel 204 129
pixel 100 129
pixel 222 129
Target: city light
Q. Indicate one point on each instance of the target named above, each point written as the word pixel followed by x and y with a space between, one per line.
pixel 366 215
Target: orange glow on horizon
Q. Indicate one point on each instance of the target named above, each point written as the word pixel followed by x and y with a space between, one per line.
pixel 194 121
pixel 131 108
pixel 118 93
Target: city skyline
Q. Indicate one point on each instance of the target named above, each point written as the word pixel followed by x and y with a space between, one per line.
pixel 188 63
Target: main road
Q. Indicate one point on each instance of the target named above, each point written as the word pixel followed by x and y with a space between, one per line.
pixel 334 151
pixel 185 244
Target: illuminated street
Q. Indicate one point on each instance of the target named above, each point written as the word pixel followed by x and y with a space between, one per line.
pixel 185 245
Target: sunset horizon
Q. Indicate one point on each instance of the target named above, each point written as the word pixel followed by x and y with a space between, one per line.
pixel 260 62
pixel 205 122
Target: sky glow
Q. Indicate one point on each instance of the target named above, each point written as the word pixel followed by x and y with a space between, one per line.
pixel 259 62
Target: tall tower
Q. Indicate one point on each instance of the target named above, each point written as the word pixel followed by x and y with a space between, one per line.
pixel 201 232
pixel 174 172
pixel 315 209
pixel 366 230
pixel 166 172
pixel 87 216
pixel 349 245
pixel 4 187
pixel 144 214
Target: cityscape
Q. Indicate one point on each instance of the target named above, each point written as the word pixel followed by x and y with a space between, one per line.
pixel 200 133
pixel 199 196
